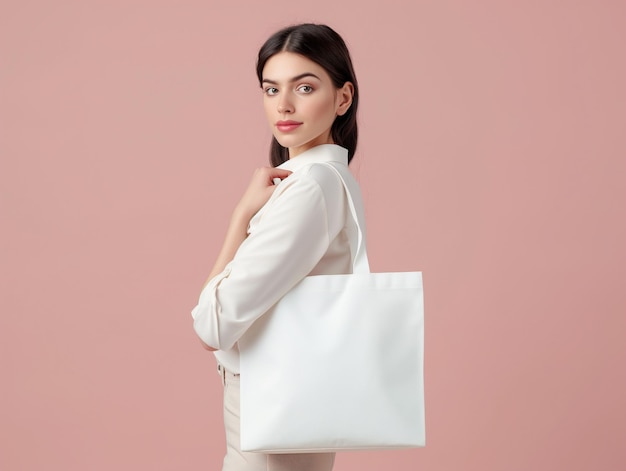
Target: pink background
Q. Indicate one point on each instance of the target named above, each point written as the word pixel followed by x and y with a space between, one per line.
pixel 492 158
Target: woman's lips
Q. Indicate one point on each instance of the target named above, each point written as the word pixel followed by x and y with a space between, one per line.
pixel 287 126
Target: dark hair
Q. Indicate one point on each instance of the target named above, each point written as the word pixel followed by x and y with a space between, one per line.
pixel 324 46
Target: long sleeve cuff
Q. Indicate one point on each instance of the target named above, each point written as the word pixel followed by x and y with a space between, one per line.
pixel 206 313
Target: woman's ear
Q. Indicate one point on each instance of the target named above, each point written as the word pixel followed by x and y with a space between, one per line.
pixel 344 98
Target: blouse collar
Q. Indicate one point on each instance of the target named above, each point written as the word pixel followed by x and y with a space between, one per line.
pixel 317 154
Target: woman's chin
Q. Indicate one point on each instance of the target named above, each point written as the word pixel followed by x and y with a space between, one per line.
pixel 285 142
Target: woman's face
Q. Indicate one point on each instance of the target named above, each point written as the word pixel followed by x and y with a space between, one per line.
pixel 301 102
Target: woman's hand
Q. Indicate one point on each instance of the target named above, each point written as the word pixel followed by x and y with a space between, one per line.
pixel 259 190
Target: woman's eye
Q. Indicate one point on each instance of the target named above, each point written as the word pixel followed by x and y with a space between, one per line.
pixel 271 90
pixel 306 88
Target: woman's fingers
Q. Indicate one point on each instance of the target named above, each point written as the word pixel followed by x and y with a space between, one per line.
pixel 280 173
pixel 260 189
pixel 268 174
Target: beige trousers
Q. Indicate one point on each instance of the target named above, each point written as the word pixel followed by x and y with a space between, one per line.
pixel 237 460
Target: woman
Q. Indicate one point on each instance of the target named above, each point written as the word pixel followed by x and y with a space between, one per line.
pixel 292 219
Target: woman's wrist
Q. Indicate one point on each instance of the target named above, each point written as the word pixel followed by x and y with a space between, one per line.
pixel 241 216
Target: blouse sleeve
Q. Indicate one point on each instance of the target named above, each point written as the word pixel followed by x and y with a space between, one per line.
pixel 293 233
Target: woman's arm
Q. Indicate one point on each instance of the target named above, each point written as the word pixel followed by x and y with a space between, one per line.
pixel 256 195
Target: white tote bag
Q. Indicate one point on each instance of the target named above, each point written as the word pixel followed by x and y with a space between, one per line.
pixel 337 363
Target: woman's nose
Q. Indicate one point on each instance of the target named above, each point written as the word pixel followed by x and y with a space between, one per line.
pixel 285 105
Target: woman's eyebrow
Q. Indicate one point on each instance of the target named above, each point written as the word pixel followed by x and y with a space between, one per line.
pixel 294 79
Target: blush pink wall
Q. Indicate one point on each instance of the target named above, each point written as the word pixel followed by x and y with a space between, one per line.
pixel 492 158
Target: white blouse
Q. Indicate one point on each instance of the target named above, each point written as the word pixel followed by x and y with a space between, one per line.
pixel 300 231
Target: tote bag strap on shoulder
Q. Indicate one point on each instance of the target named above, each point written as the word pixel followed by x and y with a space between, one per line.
pixel 356 231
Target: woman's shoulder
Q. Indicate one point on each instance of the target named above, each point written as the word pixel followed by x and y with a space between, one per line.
pixel 321 175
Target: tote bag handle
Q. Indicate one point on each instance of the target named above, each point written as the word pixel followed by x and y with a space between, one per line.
pixel 356 231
